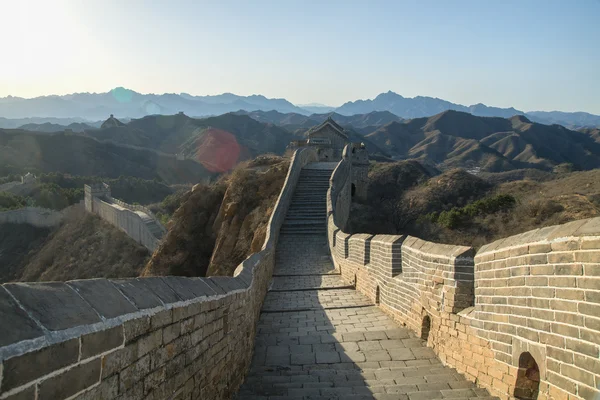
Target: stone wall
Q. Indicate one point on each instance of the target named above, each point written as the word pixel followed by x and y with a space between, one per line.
pixel 534 296
pixel 137 222
pixel 39 217
pixel 153 338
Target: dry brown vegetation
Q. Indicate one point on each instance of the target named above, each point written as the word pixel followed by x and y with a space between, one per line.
pixel 416 207
pixel 217 226
pixel 83 246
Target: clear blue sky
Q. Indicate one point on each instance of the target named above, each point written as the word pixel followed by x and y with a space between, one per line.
pixel 533 55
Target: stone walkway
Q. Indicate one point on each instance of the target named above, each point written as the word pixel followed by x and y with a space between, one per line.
pixel 320 339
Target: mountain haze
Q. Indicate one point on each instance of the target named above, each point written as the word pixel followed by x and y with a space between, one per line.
pixel 126 103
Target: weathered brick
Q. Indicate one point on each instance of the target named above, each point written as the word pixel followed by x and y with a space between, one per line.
pixel 562 382
pixel 102 341
pixel 135 328
pixel 70 381
pixel 134 373
pixel 149 342
pixel 577 374
pixel 171 332
pixel 117 360
pixel 587 256
pixel 582 347
pixel 160 319
pixel 30 366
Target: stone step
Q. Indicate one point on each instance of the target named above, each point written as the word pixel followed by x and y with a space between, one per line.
pixel 311 219
pixel 323 390
pixel 303 232
pixel 305 222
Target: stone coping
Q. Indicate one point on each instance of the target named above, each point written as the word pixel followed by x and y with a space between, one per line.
pixel 549 234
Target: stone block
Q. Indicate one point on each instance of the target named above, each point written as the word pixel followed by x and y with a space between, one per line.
pixel 160 319
pixel 215 288
pixel 103 296
pixel 25 394
pixel 100 342
pixel 118 360
pixel 227 283
pixel 108 389
pixel 15 324
pixel 187 288
pixel 138 292
pixel 56 305
pixel 160 288
pixel 134 373
pixel 591 227
pixel 149 342
pixel 136 327
pixel 171 332
pixel 70 381
pixel 30 366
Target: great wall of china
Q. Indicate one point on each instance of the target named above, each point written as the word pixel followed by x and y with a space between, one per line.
pixel 136 221
pixel 319 313
pixel 36 216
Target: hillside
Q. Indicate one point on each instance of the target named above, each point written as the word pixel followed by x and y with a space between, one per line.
pixel 219 225
pixel 460 208
pixel 83 246
pixel 456 139
pixel 236 137
pixel 23 151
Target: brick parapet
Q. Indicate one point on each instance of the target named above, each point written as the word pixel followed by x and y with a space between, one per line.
pixel 156 337
pixel 537 293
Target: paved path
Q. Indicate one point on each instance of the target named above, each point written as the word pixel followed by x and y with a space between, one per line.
pixel 320 339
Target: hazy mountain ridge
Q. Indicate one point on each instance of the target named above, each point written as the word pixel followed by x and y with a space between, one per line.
pixel 125 103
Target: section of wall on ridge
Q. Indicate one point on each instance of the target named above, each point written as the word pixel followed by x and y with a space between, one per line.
pixel 38 217
pixel 136 221
pixel 523 314
pixel 156 337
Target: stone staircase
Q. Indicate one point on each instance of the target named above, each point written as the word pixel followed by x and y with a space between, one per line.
pixel 307 212
pixel 318 338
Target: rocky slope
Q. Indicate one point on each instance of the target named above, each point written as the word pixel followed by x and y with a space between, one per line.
pixel 83 246
pixel 219 225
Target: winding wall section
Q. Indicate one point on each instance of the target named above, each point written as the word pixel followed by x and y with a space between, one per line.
pixel 155 338
pixel 535 294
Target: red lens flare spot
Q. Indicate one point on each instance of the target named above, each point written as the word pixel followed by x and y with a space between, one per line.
pixel 218 150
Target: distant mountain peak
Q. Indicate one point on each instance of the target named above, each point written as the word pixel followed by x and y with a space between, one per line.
pixel 111 122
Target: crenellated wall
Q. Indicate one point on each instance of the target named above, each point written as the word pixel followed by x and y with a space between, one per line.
pixel 136 221
pixel 39 217
pixel 152 338
pixel 534 296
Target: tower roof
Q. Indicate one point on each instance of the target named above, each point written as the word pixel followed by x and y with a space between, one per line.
pixel 329 122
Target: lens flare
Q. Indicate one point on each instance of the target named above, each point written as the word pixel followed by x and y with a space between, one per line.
pixel 218 150
pixel 122 95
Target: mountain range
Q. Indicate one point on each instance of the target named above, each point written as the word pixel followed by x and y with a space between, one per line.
pixel 177 148
pixel 126 103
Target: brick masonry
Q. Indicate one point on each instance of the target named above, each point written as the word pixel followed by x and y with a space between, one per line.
pixel 150 338
pixel 537 293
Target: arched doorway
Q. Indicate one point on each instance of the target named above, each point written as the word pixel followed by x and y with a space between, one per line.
pixel 528 378
pixel 425 327
pixel 377 295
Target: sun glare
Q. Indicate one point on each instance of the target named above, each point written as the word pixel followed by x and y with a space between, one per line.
pixel 36 33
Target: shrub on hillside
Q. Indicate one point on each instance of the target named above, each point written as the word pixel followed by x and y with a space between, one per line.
pixel 9 201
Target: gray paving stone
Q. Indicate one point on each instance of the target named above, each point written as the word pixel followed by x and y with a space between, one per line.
pixel 334 342
pixel 328 357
